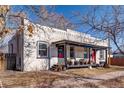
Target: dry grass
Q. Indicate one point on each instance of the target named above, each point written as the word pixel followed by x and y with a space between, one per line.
pixel 30 79
pixel 90 85
pixel 114 83
pixel 85 72
pixel 46 78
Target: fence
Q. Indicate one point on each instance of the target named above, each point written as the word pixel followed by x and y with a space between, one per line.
pixel 117 61
pixel 7 61
pixel 2 61
pixel 11 61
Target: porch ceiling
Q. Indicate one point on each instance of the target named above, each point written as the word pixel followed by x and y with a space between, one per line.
pixel 69 42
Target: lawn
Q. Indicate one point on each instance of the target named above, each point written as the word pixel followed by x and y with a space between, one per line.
pixel 46 78
pixel 114 83
pixel 92 72
pixel 30 79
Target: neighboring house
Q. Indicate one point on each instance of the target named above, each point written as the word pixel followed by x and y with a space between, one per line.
pixel 48 46
pixel 4 42
pixel 118 54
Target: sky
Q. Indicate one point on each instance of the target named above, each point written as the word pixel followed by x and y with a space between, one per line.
pixel 67 12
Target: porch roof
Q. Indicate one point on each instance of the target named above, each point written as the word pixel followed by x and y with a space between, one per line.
pixel 69 42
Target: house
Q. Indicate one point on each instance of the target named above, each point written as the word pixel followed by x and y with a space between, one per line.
pixel 117 53
pixel 4 42
pixel 48 46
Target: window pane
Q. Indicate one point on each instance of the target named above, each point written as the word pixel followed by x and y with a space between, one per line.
pixel 43 53
pixel 42 46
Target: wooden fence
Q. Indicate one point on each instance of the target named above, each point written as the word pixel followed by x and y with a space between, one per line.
pixel 2 62
pixel 117 61
pixel 7 61
pixel 11 61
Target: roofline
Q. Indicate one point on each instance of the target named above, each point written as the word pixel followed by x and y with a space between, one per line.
pixel 79 44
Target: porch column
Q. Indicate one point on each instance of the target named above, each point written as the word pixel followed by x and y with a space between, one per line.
pixel 65 54
pixel 49 54
pixel 89 55
pixel 106 58
pixel 95 56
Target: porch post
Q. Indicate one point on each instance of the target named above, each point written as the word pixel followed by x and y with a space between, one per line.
pixel 95 56
pixel 49 54
pixel 106 60
pixel 89 55
pixel 65 55
pixel 90 66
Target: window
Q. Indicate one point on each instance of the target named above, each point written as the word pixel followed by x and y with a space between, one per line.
pixel 72 52
pixel 101 54
pixel 42 49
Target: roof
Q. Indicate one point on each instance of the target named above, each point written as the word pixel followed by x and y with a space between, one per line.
pixel 79 44
pixel 7 38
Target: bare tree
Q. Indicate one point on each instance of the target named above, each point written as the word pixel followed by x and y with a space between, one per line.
pixel 105 21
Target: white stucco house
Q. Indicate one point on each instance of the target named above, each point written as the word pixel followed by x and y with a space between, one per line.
pixel 48 46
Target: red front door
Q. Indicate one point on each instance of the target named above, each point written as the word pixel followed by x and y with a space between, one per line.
pixel 94 55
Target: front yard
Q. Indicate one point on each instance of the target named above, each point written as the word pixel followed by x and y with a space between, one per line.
pixel 92 72
pixel 29 79
pixel 68 78
pixel 114 83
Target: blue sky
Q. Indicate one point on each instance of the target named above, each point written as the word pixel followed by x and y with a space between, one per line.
pixel 67 10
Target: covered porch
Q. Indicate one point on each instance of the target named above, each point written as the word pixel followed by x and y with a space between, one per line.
pixel 75 54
